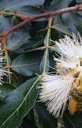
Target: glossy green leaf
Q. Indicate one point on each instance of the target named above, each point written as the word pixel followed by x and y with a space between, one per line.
pixel 75 17
pixel 69 22
pixel 29 44
pixel 27 64
pixel 4 23
pixel 58 20
pixel 17 39
pixel 46 120
pixel 30 10
pixel 73 23
pixel 14 4
pixel 78 23
pixel 62 29
pixel 79 1
pixel 80 12
pixel 72 121
pixel 18 103
pixel 5 89
pixel 57 4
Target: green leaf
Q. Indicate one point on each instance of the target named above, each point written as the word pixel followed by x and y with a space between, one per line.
pixel 78 23
pixel 27 64
pixel 44 65
pixel 17 39
pixel 62 29
pixel 30 10
pixel 18 103
pixel 58 20
pixel 79 1
pixel 46 120
pixel 75 17
pixel 15 5
pixel 5 89
pixel 69 22
pixel 29 45
pixel 57 4
pixel 72 121
pixel 4 23
pixel 80 12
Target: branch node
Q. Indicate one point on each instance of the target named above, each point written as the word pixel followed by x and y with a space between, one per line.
pixel 5 49
pixel 80 7
pixel 8 66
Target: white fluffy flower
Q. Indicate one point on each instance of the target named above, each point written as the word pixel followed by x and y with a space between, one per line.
pixel 70 50
pixel 3 72
pixel 55 88
pixel 55 92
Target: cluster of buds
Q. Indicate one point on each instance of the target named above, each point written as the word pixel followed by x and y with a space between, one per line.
pixel 64 89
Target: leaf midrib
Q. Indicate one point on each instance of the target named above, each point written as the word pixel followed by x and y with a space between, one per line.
pixel 24 65
pixel 20 103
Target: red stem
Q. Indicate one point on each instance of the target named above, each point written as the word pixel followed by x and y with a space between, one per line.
pixel 48 14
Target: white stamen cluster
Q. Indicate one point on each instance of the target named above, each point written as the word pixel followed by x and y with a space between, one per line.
pixel 2 70
pixel 56 87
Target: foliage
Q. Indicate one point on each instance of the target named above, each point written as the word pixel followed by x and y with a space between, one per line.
pixel 29 54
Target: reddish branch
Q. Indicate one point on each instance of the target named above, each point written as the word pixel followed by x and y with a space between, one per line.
pixel 48 14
